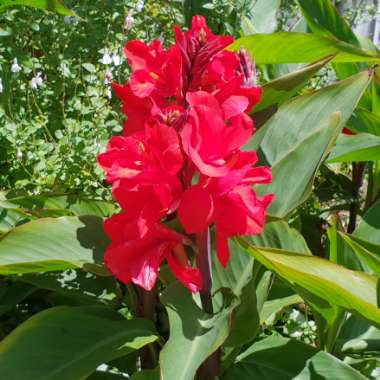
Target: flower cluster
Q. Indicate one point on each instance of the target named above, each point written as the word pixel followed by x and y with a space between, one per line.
pixel 180 156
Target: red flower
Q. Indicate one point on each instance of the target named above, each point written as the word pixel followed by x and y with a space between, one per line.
pixel 180 155
pixel 214 132
pixel 229 202
pixel 136 254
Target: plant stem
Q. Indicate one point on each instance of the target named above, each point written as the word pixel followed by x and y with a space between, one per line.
pixel 204 264
pixel 357 179
pixel 212 365
pixel 146 309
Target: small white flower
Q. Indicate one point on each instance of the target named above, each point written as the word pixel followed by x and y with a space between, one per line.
pixel 109 93
pixel 108 77
pixel 296 334
pixel 116 59
pixel 1 86
pixel 106 59
pixel 67 20
pixel 19 154
pixel 129 21
pixel 139 5
pixel 312 325
pixel 376 373
pixel 296 316
pixel 37 81
pixel 15 68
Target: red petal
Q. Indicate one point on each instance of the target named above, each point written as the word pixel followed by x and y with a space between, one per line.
pixel 188 276
pixel 196 209
pixel 222 248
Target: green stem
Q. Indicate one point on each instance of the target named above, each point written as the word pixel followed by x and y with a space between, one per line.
pixel 212 365
pixel 357 179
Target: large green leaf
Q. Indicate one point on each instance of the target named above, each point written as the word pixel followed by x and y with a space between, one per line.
pixel 241 277
pixel 287 47
pixel 324 19
pixel 360 147
pixel 368 252
pixel 357 335
pixel 60 205
pixel 364 121
pixel 50 244
pixel 280 358
pixel 281 89
pixel 48 5
pixel 194 335
pixel 354 291
pixel 12 294
pixel 70 342
pixel 369 227
pixel 264 15
pixel 298 137
pixel 75 283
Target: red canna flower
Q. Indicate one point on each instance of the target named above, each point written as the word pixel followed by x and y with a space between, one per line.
pixel 180 156
pixel 135 254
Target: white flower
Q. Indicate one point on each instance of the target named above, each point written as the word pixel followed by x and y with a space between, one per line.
pixel 296 334
pixel 312 325
pixel 296 316
pixel 37 81
pixel 376 373
pixel 15 66
pixel 109 93
pixel 108 77
pixel 106 59
pixel 116 59
pixel 19 154
pixel 140 5
pixel 129 21
pixel 1 86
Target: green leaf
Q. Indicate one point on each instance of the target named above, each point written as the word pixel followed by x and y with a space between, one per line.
pixel 194 335
pixel 275 306
pixel 368 252
pixel 47 5
pixel 241 277
pixel 61 204
pixel 12 294
pixel 324 19
pixel 360 147
pixel 281 89
pixel 264 15
pixel 369 227
pixel 76 283
pixel 288 47
pixel 276 357
pixel 146 375
pixel 64 343
pixel 340 287
pixel 307 127
pixel 357 335
pixel 364 121
pixel 50 244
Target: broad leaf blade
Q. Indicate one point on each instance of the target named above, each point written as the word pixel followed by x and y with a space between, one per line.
pixel 298 137
pixel 353 291
pixel 283 88
pixel 280 358
pixel 70 342
pixel 324 19
pixel 47 5
pixel 194 335
pixel 50 244
pixel 286 47
pixel 358 148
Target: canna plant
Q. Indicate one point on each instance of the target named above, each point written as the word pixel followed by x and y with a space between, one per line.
pixel 191 272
